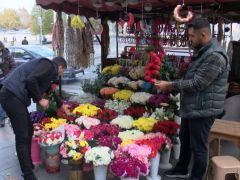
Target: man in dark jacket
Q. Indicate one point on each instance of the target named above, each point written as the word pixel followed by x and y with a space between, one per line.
pixel 30 80
pixel 7 64
pixel 203 90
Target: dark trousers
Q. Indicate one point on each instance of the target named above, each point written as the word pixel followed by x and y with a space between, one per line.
pixel 23 130
pixel 194 141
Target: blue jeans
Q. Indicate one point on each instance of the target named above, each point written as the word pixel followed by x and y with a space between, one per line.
pixel 2 115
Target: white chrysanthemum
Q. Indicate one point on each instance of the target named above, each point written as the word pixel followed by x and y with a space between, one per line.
pixel 123 121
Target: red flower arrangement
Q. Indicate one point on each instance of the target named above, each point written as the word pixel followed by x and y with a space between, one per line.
pixel 154 142
pixel 135 111
pixel 167 127
pixel 106 115
pixel 45 121
pixel 153 66
pixel 104 130
pixel 70 118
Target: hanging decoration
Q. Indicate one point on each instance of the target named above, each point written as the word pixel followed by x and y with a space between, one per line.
pixel 106 38
pixel 153 67
pixel 88 51
pixel 58 35
pixel 179 18
pixel 97 27
pixel 76 20
pixel 70 47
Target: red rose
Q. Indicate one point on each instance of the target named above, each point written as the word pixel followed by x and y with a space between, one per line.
pixel 54 87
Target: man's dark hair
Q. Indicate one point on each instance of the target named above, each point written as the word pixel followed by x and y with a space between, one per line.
pixel 199 23
pixel 60 61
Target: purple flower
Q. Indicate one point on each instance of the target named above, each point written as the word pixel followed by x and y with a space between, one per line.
pixel 37 116
pixel 99 103
pixel 157 99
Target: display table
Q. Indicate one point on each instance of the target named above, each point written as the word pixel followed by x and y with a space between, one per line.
pixel 224 130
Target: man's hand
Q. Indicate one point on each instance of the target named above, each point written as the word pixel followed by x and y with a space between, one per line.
pixel 44 103
pixel 66 109
pixel 164 85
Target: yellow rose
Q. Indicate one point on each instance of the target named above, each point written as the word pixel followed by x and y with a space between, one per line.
pixel 83 143
pixel 77 156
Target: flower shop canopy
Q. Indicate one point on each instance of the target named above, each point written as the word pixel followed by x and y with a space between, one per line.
pixel 229 9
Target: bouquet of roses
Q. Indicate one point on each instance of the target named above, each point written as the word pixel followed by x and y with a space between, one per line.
pixel 37 130
pixel 167 127
pixel 123 121
pixel 87 122
pixel 135 111
pixel 106 115
pixel 37 116
pixel 131 161
pixel 51 138
pixel 86 110
pixel 144 124
pixel 99 155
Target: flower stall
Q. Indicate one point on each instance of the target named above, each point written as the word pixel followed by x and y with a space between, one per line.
pixel 130 129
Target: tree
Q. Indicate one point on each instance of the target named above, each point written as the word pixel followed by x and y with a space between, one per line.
pixel 25 18
pixel 47 20
pixel 9 19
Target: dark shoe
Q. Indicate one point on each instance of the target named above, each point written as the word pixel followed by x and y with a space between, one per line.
pixel 176 174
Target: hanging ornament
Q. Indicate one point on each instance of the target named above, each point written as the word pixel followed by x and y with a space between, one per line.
pixel 153 66
pixel 97 26
pixel 178 17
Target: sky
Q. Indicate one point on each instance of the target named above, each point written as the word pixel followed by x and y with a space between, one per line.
pixel 16 4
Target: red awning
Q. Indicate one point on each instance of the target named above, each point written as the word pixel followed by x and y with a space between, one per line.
pixel 89 7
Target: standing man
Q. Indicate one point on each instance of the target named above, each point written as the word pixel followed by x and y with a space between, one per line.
pixel 30 80
pixel 25 41
pixel 7 64
pixel 203 90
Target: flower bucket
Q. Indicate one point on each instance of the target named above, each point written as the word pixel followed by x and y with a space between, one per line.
pixel 164 160
pixel 100 172
pixel 154 168
pixel 176 149
pixel 35 152
pixel 75 170
pixel 51 150
pixel 52 163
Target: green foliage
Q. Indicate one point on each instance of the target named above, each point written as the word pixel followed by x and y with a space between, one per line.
pixel 167 71
pixel 47 20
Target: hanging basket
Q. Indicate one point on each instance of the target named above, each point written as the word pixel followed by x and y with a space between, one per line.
pixel 75 170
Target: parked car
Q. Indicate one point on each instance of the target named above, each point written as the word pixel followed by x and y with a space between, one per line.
pixel 27 53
